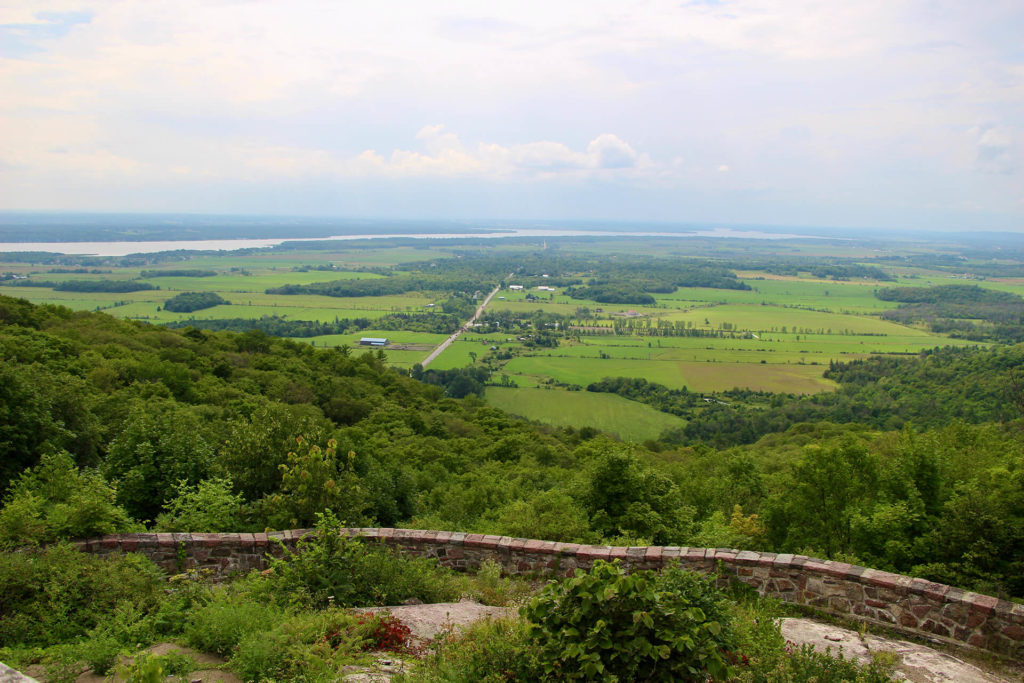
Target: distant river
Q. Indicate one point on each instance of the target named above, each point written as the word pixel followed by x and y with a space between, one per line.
pixel 125 248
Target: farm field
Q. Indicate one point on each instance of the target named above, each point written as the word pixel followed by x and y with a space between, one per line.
pixel 785 330
pixel 676 374
pixel 756 318
pixel 628 419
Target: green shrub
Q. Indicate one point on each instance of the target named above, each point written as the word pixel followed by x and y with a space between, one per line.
pixel 227 618
pixel 488 651
pixel 330 569
pixel 665 626
pixel 491 588
pixel 209 506
pixel 804 663
pixel 99 653
pixel 312 645
pixel 55 500
pixel 151 668
pixel 55 595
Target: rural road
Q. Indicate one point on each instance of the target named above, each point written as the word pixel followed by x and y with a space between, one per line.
pixel 448 342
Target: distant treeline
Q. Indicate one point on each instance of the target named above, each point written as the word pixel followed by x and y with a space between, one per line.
pixel 976 262
pixel 117 286
pixel 825 268
pixel 950 309
pixel 437 323
pixel 182 272
pixel 187 302
pixel 625 272
pixel 885 392
pixel 612 293
pixel 395 284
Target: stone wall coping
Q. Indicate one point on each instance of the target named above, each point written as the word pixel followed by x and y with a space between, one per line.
pixel 576 555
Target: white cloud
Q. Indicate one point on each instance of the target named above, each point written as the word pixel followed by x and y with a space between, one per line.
pixel 444 155
pixel 608 151
pixel 872 97
pixel 997 151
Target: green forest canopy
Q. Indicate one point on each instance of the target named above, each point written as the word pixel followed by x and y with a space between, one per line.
pixel 151 419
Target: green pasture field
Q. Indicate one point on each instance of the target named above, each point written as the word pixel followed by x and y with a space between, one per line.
pixel 676 374
pixel 768 318
pixel 818 350
pixel 81 301
pixel 777 342
pixel 835 296
pixel 457 354
pixel 607 412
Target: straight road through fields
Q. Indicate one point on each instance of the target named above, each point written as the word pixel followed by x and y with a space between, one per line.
pixel 448 342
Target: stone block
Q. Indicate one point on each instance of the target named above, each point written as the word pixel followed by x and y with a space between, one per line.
pixel 1013 632
pixel 908 620
pixel 981 603
pixel 837 570
pixel 747 557
pixel 165 540
pixel 783 560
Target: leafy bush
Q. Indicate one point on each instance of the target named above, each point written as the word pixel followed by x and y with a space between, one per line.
pixel 55 500
pixel 57 594
pixel 312 645
pixel 606 624
pixel 804 663
pixel 209 506
pixel 229 617
pixel 329 569
pixel 315 479
pixel 151 668
pixel 487 652
pixel 491 588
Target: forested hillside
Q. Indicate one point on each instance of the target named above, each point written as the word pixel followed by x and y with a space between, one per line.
pixel 127 424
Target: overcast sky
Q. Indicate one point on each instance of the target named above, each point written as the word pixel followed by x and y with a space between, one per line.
pixel 885 113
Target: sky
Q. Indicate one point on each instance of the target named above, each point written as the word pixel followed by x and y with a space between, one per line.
pixel 877 113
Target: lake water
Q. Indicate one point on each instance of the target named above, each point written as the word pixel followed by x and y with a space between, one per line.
pixel 125 248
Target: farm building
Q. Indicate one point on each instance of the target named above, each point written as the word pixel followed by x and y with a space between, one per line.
pixel 516 287
pixel 373 341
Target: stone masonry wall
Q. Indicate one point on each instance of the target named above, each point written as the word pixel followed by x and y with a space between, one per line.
pixel 914 606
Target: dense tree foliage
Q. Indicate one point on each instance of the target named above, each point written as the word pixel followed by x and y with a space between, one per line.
pixel 187 302
pixel 436 323
pixel 174 427
pixel 115 286
pixel 396 284
pixel 966 311
pixel 886 392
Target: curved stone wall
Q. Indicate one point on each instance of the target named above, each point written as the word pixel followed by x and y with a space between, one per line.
pixel 910 605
